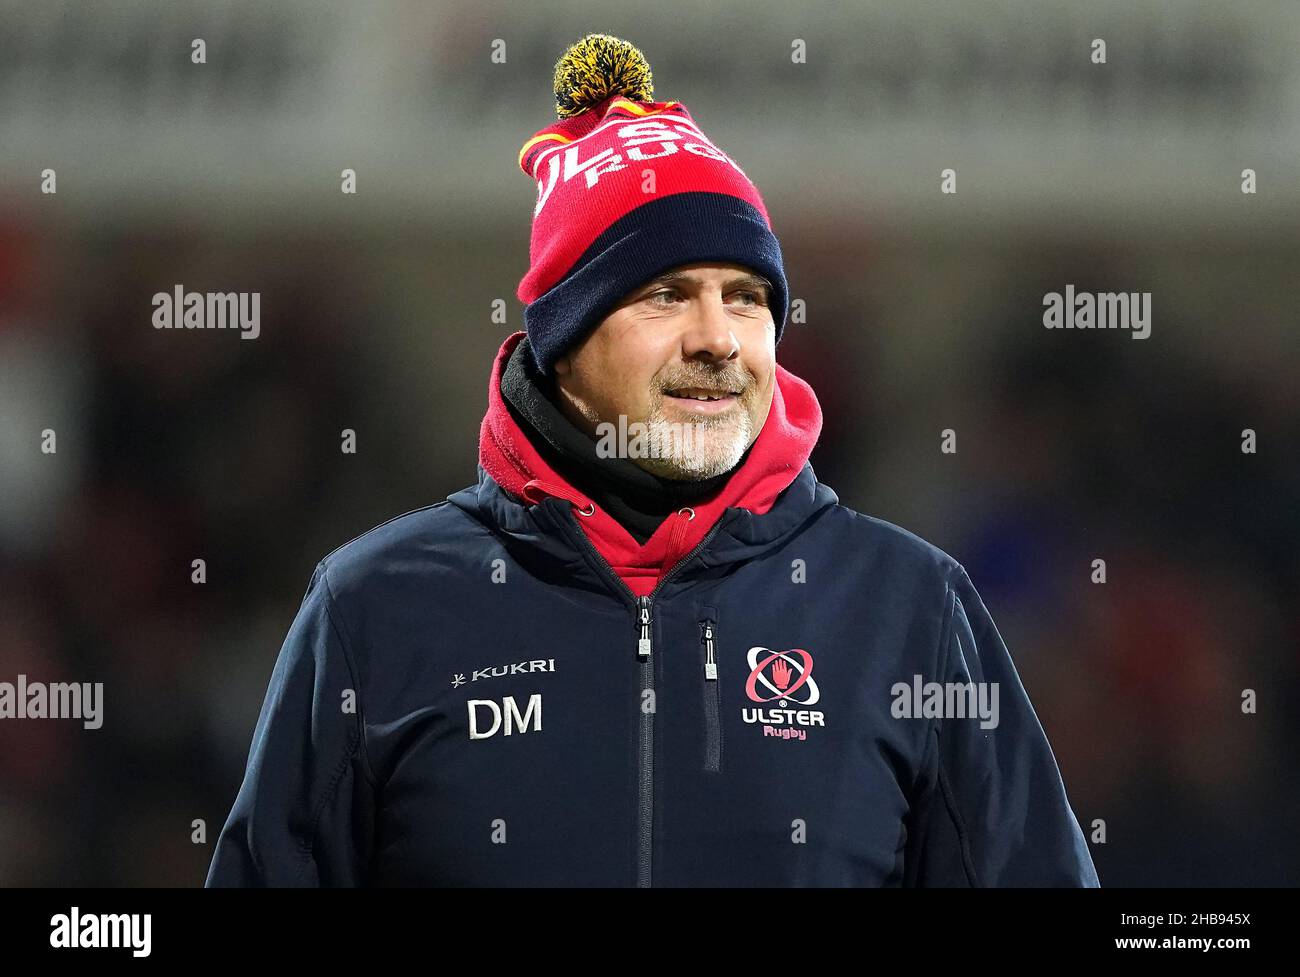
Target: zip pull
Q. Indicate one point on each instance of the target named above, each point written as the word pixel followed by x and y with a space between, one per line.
pixel 643 643
pixel 710 666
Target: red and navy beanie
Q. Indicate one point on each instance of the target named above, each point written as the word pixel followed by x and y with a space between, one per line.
pixel 628 188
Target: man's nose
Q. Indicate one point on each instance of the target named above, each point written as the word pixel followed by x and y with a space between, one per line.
pixel 709 335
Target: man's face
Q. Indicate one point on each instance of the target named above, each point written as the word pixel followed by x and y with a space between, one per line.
pixel 698 330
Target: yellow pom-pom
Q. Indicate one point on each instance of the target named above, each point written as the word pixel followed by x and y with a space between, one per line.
pixel 597 67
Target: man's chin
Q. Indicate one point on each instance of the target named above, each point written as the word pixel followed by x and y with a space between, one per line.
pixel 683 448
pixel 696 466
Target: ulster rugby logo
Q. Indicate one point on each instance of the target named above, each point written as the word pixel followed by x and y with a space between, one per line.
pixel 786 678
pixel 782 674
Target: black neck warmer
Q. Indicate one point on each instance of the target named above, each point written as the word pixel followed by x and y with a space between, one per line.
pixel 639 500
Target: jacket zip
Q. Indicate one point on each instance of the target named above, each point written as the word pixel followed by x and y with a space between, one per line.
pixel 646 727
pixel 712 700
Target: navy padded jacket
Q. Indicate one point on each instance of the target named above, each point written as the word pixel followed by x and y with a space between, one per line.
pixel 470 697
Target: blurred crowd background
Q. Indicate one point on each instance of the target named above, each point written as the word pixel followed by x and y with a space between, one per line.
pixel 923 313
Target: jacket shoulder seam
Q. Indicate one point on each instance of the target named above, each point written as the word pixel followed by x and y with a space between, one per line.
pixel 309 848
pixel 963 836
pixel 952 602
pixel 375 529
pixel 345 642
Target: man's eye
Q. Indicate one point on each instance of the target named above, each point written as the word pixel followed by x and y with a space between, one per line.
pixel 664 295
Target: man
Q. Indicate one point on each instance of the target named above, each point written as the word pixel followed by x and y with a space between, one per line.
pixel 648 647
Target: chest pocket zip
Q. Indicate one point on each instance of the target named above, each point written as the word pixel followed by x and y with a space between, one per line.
pixel 712 693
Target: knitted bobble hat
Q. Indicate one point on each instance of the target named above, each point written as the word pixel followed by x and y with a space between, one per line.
pixel 628 188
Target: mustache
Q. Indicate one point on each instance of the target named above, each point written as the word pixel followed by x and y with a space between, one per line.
pixel 721 379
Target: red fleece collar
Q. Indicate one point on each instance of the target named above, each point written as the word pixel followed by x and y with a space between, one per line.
pixel 775 460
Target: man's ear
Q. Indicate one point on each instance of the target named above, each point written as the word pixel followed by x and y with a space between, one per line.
pixel 562 366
